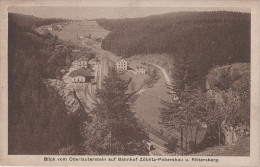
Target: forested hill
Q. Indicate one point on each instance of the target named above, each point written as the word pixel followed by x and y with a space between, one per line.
pixel 29 20
pixel 38 121
pixel 196 39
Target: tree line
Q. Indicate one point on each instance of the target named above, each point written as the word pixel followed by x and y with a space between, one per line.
pixel 207 50
pixel 197 40
pixel 38 121
pixel 29 21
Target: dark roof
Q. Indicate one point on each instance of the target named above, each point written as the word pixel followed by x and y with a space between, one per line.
pixel 140 68
pixel 83 59
pixel 81 72
pixel 121 59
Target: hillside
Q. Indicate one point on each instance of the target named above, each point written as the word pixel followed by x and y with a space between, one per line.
pixel 38 120
pixel 196 40
pixel 28 20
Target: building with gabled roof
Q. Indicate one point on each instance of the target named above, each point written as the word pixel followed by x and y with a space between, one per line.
pixel 121 64
pixel 83 63
pixel 140 70
pixel 82 75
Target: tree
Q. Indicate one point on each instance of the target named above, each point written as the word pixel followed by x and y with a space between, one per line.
pixel 173 118
pixel 115 130
pixel 183 114
pixel 172 145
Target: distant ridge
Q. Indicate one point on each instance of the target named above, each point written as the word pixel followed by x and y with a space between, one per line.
pixel 30 20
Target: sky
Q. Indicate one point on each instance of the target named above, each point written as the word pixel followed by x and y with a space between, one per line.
pixel 77 12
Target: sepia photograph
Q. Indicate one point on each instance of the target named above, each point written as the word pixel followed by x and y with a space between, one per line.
pixel 129 81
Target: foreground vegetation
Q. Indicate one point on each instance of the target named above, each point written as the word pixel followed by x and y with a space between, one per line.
pixel 38 121
pixel 115 130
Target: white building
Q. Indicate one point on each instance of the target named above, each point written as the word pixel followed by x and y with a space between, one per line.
pixel 82 64
pixel 121 64
pixel 78 79
pixel 141 70
pixel 81 76
pixel 49 28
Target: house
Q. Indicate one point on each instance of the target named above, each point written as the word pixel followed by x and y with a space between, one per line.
pixel 81 76
pixel 149 146
pixel 49 28
pixel 121 64
pixel 141 70
pixel 80 36
pixel 82 64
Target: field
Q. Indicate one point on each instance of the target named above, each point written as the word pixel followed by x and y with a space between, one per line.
pixel 81 28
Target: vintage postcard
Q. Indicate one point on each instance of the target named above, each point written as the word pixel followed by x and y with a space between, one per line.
pixel 133 83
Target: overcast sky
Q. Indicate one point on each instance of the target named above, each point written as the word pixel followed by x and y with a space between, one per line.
pixel 103 12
